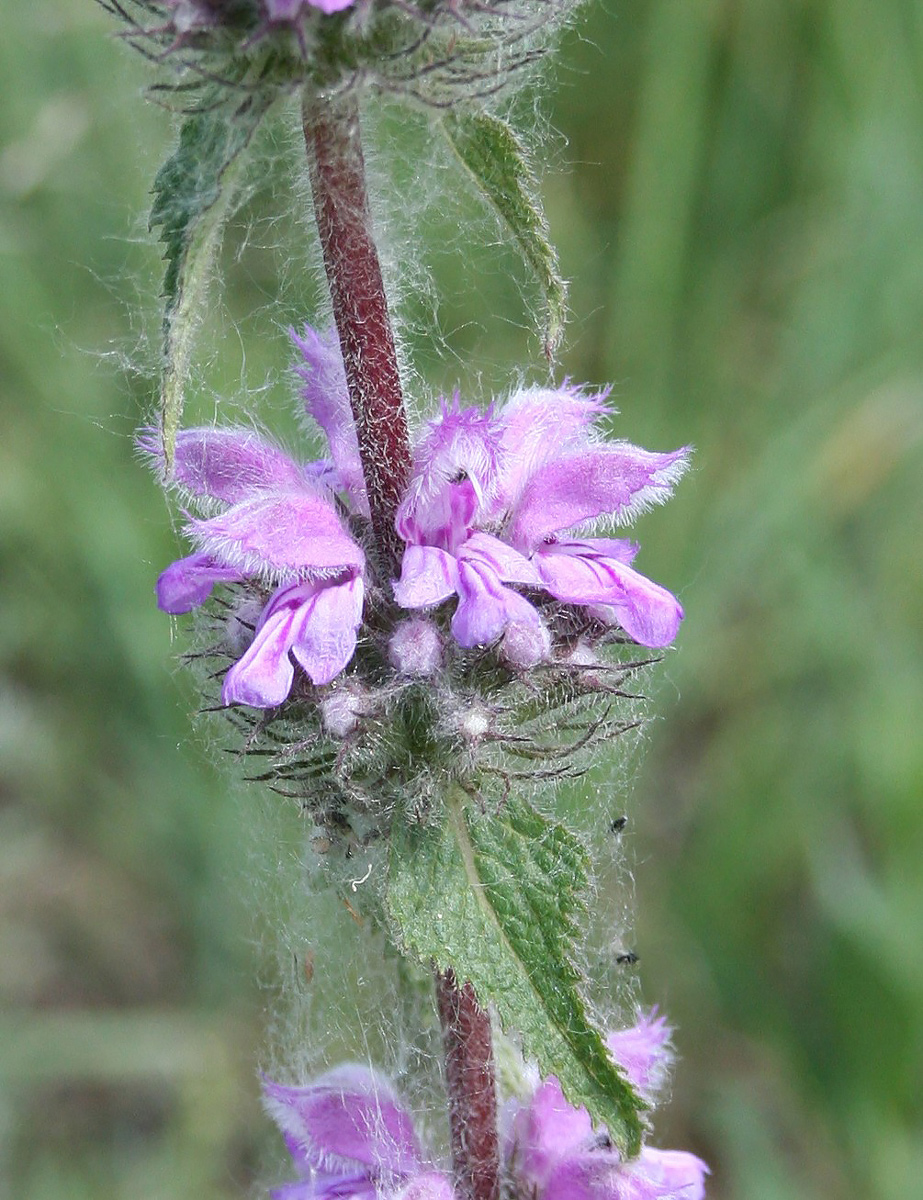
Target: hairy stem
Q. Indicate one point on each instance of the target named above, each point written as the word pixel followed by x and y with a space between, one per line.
pixel 360 310
pixel 472 1090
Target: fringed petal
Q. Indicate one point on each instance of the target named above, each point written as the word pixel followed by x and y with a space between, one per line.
pixel 540 424
pixel 673 1174
pixel 654 1175
pixel 279 535
pixel 554 1154
pixel 642 1051
pixel 263 677
pixel 326 400
pixel 547 1130
pixel 348 1118
pixel 617 480
pixel 588 1176
pixel 648 613
pixel 314 620
pixel 573 575
pixel 228 465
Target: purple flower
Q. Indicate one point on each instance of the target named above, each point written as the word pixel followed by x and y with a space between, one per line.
pixel 573 479
pixel 500 503
pixel 456 471
pixel 291 10
pixel 191 15
pixel 276 522
pixel 600 1175
pixel 514 497
pixel 349 1136
pixel 477 573
pixel 315 621
pixel 554 1154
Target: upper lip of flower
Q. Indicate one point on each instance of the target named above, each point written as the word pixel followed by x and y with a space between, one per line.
pixel 348 1123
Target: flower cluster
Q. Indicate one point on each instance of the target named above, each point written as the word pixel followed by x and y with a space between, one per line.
pixel 502 513
pixel 507 644
pixel 349 1135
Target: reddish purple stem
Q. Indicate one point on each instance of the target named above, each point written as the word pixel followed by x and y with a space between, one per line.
pixel 360 310
pixel 469 1068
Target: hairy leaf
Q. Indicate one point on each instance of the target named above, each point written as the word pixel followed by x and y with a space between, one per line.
pixel 194 193
pixel 495 897
pixel 497 162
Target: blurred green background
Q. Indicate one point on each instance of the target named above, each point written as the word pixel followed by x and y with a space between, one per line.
pixel 736 187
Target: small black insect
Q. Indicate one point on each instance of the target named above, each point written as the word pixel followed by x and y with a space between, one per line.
pixel 617 824
pixel 628 959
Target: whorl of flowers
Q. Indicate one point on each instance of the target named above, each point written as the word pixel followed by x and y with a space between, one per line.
pixel 434 51
pixel 511 589
pixel 349 1135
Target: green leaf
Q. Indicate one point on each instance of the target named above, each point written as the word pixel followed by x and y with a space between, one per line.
pixel 497 162
pixel 495 897
pixel 194 194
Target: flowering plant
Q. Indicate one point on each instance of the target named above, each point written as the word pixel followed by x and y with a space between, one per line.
pixel 421 628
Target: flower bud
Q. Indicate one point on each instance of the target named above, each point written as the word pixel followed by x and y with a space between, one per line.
pixel 415 648
pixel 341 710
pixel 474 723
pixel 526 645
